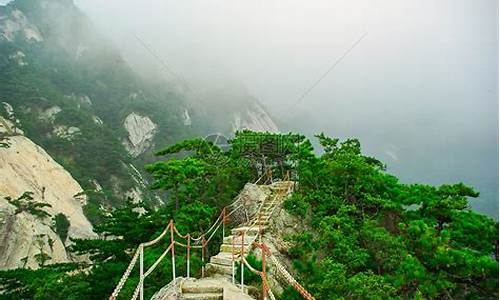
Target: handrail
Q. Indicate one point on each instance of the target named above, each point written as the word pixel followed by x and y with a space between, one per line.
pixel 221 219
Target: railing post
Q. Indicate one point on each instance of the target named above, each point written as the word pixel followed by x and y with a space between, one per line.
pixel 264 276
pixel 232 256
pixel 260 226
pixel 242 264
pixel 203 255
pixel 223 223
pixel 188 252
pixel 172 242
pixel 141 272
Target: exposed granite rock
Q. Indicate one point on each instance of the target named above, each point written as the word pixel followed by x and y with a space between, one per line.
pixel 202 289
pixel 282 225
pixel 16 24
pixel 18 57
pixel 65 132
pixel 255 118
pixel 50 113
pixel 248 202
pixel 186 117
pixel 24 166
pixel 141 132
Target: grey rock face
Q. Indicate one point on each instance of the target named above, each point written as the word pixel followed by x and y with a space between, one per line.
pixel 141 132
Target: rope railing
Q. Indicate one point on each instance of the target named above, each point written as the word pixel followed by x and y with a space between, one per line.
pixel 214 228
pixel 266 252
pixel 289 278
pixel 171 227
pixel 139 253
pixel 140 285
pixel 266 291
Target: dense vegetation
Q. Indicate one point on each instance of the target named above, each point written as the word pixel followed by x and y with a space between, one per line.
pixel 73 79
pixel 374 238
pixel 370 236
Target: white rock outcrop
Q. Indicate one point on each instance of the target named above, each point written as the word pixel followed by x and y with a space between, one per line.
pixel 16 23
pixel 97 120
pixel 255 118
pixel 50 113
pixel 24 166
pixel 186 118
pixel 248 202
pixel 65 132
pixel 19 57
pixel 141 131
pixel 80 100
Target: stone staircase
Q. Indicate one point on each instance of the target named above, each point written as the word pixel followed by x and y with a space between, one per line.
pixel 222 263
pixel 218 285
pixel 212 288
pixel 193 289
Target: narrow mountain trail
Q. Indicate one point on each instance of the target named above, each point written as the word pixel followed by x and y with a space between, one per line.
pixel 219 280
pixel 242 237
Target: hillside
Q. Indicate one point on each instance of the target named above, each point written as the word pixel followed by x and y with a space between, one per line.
pixel 78 99
pixel 32 234
pixel 349 230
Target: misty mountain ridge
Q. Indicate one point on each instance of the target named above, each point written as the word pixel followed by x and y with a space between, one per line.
pixel 75 96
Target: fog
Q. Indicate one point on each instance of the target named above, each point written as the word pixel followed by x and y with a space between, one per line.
pixel 420 89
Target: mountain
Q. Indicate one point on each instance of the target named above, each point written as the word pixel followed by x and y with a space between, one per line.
pixel 32 235
pixel 76 100
pixel 344 228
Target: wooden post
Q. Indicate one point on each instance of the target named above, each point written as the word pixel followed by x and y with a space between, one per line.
pixel 264 276
pixel 141 272
pixel 242 264
pixel 223 223
pixel 232 255
pixel 172 243
pixel 203 244
pixel 188 252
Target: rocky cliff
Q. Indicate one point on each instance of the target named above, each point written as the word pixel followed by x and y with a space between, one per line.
pixel 29 238
pixel 77 98
pixel 141 131
pixel 254 118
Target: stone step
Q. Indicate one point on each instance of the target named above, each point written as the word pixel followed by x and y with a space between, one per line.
pixel 261 223
pixel 248 231
pixel 200 286
pixel 224 259
pixel 263 216
pixel 219 269
pixel 228 240
pixel 204 296
pixel 229 248
pixel 267 208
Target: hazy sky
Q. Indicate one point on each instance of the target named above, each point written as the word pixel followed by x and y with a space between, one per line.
pixel 420 90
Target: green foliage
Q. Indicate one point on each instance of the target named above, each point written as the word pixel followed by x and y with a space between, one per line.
pixel 26 203
pixel 41 258
pixel 4 141
pixel 296 205
pixel 379 239
pixel 249 277
pixel 61 224
pixel 53 76
pixel 263 150
pixel 369 237
pixel 179 175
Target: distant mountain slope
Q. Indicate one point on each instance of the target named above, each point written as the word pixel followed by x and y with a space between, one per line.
pixel 75 96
